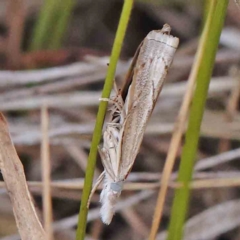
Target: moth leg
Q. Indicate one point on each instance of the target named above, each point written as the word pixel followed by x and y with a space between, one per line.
pixel 113 101
pixel 118 105
pixel 114 136
pixel 115 87
pixel 105 99
pixel 117 101
pixel 117 91
pixel 99 180
pixel 111 135
pixel 114 124
pixel 106 163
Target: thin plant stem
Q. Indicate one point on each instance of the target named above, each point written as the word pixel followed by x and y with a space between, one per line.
pixel 46 174
pixel 43 25
pixel 203 66
pixel 124 19
pixel 179 129
pixel 53 18
pixel 64 12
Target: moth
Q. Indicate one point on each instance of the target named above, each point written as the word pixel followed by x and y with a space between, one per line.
pixel 130 113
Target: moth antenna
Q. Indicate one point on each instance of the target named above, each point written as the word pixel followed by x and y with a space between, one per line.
pixel 98 182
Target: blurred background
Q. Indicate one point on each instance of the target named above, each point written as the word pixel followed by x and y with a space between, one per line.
pixel 56 53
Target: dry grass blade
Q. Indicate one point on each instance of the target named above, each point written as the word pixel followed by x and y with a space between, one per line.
pixel 212 222
pixel 217 159
pixel 218 86
pixel 46 175
pixel 94 214
pixel 136 223
pixel 70 222
pixel 14 177
pixel 59 101
pixel 18 78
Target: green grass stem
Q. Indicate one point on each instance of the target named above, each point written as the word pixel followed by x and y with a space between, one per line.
pixel 64 13
pixel 124 19
pixel 202 69
pixel 42 29
pixel 51 24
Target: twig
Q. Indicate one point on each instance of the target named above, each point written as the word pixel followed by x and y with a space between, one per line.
pixel 212 126
pixel 34 136
pixel 89 98
pixel 79 156
pixel 218 159
pixel 18 78
pixel 77 184
pixel 58 101
pixel 135 222
pixel 54 87
pixel 70 222
pixel 96 229
pixel 94 214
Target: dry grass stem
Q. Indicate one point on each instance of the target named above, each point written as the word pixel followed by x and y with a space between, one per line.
pixel 71 222
pixel 201 179
pixel 89 98
pixel 46 174
pixel 18 78
pixel 136 223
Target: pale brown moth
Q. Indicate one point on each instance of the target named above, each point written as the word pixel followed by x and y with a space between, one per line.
pixel 131 111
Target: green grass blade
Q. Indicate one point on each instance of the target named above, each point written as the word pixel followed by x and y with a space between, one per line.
pixel 124 19
pixel 202 69
pixel 51 24
pixel 42 29
pixel 64 13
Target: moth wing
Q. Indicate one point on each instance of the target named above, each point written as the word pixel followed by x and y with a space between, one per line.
pixel 155 57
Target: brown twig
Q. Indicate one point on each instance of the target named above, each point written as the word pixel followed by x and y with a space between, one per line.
pixel 91 98
pixel 16 13
pixel 199 177
pixel 71 221
pixel 135 222
pixel 18 78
